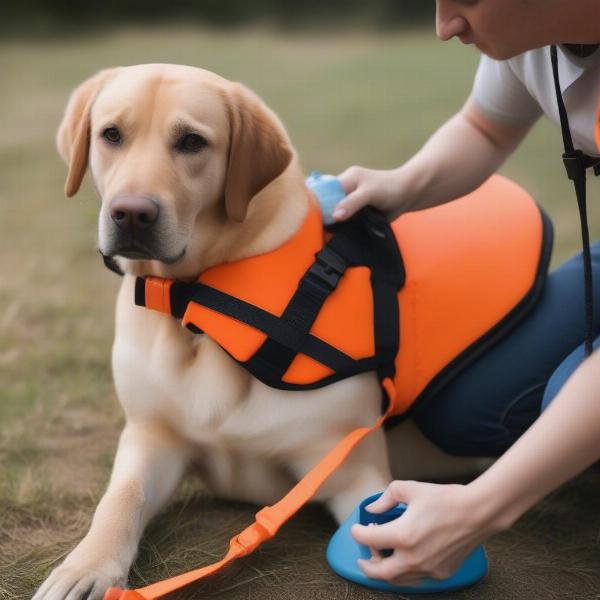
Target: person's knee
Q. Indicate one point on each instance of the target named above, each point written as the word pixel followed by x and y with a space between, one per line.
pixel 479 426
pixel 455 432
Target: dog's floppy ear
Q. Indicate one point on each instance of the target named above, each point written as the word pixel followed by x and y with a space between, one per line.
pixel 73 137
pixel 259 150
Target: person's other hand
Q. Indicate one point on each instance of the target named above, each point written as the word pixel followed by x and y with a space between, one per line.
pixel 441 526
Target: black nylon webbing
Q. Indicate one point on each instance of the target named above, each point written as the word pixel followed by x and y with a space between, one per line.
pixel 387 277
pixel 367 240
pixel 314 288
pixel 386 320
pixel 282 332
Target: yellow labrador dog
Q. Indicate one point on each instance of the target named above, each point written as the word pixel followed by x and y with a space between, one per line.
pixel 192 171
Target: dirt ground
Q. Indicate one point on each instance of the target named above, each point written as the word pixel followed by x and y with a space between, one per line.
pixel 553 553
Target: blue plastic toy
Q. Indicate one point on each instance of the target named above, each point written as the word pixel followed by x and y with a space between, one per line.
pixel 328 190
pixel 343 552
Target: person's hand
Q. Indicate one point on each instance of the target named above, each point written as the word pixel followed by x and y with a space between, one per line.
pixel 440 527
pixel 381 189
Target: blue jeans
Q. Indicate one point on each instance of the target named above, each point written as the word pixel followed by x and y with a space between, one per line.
pixel 485 409
pixel 564 371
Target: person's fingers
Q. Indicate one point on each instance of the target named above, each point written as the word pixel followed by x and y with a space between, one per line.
pixel 392 568
pixel 380 537
pixel 349 178
pixel 375 554
pixel 401 569
pixel 408 580
pixel 350 204
pixel 396 492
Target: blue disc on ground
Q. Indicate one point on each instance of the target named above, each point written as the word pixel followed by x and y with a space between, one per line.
pixel 343 552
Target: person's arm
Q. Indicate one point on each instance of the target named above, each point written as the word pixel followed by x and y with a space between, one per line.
pixel 443 523
pixel 456 160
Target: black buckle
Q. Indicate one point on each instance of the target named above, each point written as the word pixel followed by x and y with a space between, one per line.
pixel 576 163
pixel 328 267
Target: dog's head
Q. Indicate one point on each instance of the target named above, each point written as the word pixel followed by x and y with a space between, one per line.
pixel 176 154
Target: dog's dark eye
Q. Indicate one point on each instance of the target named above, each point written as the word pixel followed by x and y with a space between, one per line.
pixel 112 135
pixel 192 142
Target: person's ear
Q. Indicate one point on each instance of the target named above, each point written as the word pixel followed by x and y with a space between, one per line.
pixel 259 150
pixel 73 137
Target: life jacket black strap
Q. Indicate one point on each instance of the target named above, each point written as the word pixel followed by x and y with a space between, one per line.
pixel 314 288
pixel 284 332
pixel 576 164
pixel 366 239
pixel 382 255
pixel 373 244
pixel 180 295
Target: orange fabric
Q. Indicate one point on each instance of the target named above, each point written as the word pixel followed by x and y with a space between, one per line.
pixel 269 288
pixel 468 264
pixel 158 294
pixel 348 304
pixel 270 518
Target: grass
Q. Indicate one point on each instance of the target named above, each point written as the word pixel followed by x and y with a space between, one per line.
pixel 358 98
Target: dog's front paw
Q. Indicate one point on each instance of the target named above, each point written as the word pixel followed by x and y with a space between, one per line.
pixel 78 580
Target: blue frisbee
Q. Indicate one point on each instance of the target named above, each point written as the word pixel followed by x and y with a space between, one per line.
pixel 343 552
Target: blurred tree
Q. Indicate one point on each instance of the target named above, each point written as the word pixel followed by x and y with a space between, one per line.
pixel 49 16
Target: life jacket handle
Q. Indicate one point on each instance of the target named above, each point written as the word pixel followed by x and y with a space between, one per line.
pixel 270 518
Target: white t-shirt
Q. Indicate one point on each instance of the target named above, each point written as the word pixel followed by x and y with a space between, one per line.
pixel 520 89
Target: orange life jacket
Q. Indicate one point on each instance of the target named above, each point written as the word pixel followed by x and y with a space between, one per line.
pixel 459 276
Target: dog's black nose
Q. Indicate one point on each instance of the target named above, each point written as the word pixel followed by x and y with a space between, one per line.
pixel 131 212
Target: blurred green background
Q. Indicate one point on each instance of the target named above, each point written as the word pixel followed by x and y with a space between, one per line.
pixel 50 16
pixel 353 85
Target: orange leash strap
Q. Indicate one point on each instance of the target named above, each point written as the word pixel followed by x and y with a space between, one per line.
pixel 270 518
